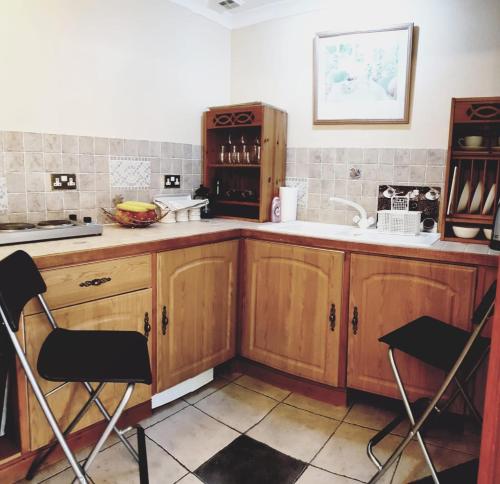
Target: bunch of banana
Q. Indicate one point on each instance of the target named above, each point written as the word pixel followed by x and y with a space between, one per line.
pixel 133 206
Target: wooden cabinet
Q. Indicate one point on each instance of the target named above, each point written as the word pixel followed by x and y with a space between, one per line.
pixel 292 309
pixel 196 310
pixel 387 293
pixel 123 312
pixel 244 158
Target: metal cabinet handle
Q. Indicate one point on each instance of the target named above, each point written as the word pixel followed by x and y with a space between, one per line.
pixel 164 320
pixel 147 325
pixel 333 317
pixel 95 282
pixel 355 320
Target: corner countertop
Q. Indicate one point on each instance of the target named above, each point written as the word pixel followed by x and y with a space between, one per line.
pixel 119 241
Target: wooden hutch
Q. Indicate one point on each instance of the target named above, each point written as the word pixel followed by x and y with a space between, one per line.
pixel 472 173
pixel 244 158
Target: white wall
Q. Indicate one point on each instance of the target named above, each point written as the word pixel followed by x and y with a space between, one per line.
pixel 457 55
pixel 116 68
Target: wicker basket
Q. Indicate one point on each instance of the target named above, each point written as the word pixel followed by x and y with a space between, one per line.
pixel 399 220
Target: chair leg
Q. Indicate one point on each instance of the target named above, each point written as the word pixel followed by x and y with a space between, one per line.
pixel 110 426
pixel 117 431
pixel 36 464
pixel 469 402
pixel 143 456
pixel 414 430
pixel 77 469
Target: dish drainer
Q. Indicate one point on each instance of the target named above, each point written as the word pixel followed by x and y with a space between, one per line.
pixel 472 167
pixel 399 220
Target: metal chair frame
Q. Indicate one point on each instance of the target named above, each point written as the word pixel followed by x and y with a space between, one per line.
pixel 81 471
pixel 416 424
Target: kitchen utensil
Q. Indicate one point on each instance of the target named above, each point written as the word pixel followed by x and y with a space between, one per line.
pixel 464 198
pixel 452 191
pixel 465 232
pixel 490 199
pixel 487 233
pixel 476 199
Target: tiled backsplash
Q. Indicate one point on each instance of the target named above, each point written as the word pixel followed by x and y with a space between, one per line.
pixel 320 173
pixel 27 159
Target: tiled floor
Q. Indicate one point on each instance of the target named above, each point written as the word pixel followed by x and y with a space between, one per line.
pixel 241 430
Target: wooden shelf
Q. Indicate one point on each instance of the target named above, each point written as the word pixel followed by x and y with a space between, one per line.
pixel 238 202
pixel 470 218
pixel 239 165
pixel 474 155
pixel 466 241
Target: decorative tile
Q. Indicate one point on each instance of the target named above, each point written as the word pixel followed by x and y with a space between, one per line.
pixel 4 202
pixel 130 172
pixel 14 161
pixel 52 143
pixel 301 185
pixel 246 461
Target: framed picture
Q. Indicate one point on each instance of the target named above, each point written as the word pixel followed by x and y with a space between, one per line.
pixel 363 77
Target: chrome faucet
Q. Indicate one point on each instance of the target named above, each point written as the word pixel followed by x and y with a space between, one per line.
pixel 362 220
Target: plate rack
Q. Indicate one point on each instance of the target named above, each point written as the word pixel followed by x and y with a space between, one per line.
pixel 472 177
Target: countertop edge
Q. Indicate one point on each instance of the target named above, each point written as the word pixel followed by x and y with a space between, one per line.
pixel 134 248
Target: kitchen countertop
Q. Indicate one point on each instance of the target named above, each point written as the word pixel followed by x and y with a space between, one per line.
pixel 164 236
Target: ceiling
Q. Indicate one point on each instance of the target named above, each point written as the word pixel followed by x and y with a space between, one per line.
pixel 250 11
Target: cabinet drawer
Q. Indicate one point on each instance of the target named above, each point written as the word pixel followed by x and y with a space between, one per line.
pixel 87 282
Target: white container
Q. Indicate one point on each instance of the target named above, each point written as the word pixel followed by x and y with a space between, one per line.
pixel 181 215
pixel 169 218
pixel 288 198
pixel 194 214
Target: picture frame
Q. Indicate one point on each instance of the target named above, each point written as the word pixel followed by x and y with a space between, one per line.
pixel 364 76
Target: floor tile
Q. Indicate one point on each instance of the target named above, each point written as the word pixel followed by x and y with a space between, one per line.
pixel 205 390
pixel 161 413
pixel 116 466
pixel 345 453
pixel 262 387
pixel 412 465
pixel 295 432
pixel 237 407
pixel 312 475
pixel 189 479
pixel 468 441
pixel 231 376
pixel 246 461
pixel 374 417
pixel 191 436
pixel 337 412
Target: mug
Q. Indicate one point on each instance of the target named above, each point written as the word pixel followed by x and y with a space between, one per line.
pixel 471 142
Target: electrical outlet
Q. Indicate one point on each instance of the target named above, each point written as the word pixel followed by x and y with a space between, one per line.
pixel 63 181
pixel 172 181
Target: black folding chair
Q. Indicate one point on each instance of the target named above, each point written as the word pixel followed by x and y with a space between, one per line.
pixel 74 356
pixel 456 351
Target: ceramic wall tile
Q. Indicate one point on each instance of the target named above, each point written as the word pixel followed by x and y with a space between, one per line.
pixel 3 195
pixel 33 142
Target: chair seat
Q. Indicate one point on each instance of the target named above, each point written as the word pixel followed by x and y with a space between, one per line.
pixel 435 343
pixel 95 356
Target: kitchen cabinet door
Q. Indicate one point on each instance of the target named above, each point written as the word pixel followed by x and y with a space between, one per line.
pixel 386 293
pixel 291 309
pixel 124 312
pixel 196 310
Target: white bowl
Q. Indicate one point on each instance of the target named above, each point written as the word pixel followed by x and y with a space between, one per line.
pixel 487 233
pixel 465 232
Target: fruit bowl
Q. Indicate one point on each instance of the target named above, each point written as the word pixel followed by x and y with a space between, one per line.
pixel 135 214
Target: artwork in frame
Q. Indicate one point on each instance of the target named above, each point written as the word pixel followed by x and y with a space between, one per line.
pixel 363 76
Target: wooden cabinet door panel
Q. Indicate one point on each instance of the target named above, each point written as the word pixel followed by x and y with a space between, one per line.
pixel 389 293
pixel 197 287
pixel 124 312
pixel 288 298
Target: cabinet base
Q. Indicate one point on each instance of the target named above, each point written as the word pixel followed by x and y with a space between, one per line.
pixel 182 388
pixel 318 391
